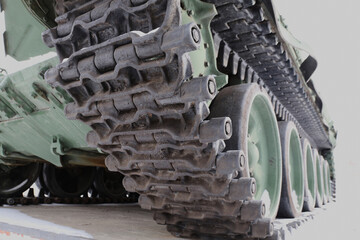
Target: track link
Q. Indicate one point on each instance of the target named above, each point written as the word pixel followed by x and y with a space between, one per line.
pixel 134 86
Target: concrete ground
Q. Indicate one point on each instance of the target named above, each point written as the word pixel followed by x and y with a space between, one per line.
pixel 57 221
pixel 127 222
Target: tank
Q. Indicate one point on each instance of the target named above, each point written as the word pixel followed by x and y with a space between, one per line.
pixel 206 108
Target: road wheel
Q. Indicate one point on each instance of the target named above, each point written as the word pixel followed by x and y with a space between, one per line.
pixel 256 133
pixel 14 180
pixel 69 181
pixel 325 166
pixel 319 180
pixel 109 184
pixel 310 176
pixel 292 193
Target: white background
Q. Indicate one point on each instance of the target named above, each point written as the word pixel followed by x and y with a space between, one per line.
pixel 332 29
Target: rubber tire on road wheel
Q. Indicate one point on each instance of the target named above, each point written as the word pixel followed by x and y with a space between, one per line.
pixel 310 187
pixel 292 192
pixel 325 184
pixel 328 180
pixel 319 180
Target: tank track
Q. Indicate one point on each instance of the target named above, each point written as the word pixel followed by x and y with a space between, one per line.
pixel 247 36
pixel 136 90
pixel 238 64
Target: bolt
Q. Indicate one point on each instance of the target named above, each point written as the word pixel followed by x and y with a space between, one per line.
pixel 211 87
pixel 206 64
pixel 190 12
pixel 195 34
pixel 228 128
pixel 263 209
pixel 242 161
pixel 253 187
pixel 10 201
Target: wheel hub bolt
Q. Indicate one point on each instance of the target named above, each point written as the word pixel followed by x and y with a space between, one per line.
pixel 253 188
pixel 242 161
pixel 195 34
pixel 263 209
pixel 228 128
pixel 211 87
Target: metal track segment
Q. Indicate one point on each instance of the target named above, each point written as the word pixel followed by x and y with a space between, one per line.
pixel 251 39
pixel 132 83
pixel 240 72
pixel 135 89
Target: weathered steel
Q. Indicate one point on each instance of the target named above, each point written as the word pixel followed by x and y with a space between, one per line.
pixel 153 125
pixel 143 74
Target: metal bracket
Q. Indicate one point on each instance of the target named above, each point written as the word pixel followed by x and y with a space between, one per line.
pixel 16 97
pixel 3 152
pixel 2 72
pixel 57 147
